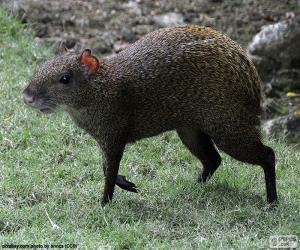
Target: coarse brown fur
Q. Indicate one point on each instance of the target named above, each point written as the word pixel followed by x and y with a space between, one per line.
pixel 187 78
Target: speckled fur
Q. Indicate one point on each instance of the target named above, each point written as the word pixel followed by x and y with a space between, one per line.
pixel 187 78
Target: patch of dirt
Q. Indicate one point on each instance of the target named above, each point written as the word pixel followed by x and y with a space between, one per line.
pixel 106 26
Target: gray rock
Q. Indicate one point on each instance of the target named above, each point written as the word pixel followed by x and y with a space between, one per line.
pixel 133 7
pixel 275 47
pixel 168 19
pixel 287 126
pixel 120 45
pixel 275 107
pixel 286 80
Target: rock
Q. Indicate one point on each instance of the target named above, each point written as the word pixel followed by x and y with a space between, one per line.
pixel 120 45
pixel 287 126
pixel 102 43
pixel 274 107
pixel 168 19
pixel 276 47
pixel 286 80
pixel 133 7
pixel 275 51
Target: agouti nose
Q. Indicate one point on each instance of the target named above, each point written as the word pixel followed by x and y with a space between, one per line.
pixel 28 97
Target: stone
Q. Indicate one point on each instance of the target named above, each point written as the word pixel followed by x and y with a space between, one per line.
pixel 120 45
pixel 168 19
pixel 286 80
pixel 287 126
pixel 276 47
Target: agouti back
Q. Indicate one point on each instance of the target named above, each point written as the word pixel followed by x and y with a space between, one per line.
pixel 187 78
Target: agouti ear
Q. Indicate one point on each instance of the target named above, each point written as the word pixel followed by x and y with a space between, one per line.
pixel 90 61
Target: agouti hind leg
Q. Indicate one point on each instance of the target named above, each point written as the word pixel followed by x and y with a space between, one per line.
pixel 244 144
pixel 201 146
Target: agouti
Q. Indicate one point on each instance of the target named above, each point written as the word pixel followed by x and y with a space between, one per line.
pixel 187 78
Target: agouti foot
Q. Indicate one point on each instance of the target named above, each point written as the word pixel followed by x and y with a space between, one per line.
pixel 201 178
pixel 104 202
pixel 126 185
pixel 272 203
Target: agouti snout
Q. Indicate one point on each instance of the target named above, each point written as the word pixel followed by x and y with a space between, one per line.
pixel 187 78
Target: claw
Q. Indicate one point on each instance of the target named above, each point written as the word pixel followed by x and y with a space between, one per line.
pixel 126 185
pixel 201 179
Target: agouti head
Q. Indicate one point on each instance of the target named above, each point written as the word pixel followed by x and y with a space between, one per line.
pixel 58 83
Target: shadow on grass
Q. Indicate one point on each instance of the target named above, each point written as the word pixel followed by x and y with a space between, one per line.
pixel 186 206
pixel 218 195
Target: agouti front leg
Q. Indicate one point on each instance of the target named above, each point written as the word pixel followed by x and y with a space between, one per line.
pixel 122 182
pixel 125 184
pixel 112 156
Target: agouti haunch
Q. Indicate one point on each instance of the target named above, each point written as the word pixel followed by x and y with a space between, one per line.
pixel 187 78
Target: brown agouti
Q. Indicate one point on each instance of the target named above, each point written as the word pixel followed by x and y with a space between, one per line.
pixel 187 78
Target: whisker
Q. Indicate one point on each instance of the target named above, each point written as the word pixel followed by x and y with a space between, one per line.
pixel 49 103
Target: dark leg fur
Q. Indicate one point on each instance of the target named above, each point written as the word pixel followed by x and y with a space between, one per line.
pixel 203 148
pixel 123 183
pixel 112 158
pixel 270 177
pixel 245 145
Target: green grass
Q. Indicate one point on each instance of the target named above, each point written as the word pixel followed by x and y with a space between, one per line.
pixel 51 174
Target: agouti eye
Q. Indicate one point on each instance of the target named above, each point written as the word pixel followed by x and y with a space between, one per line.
pixel 65 79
